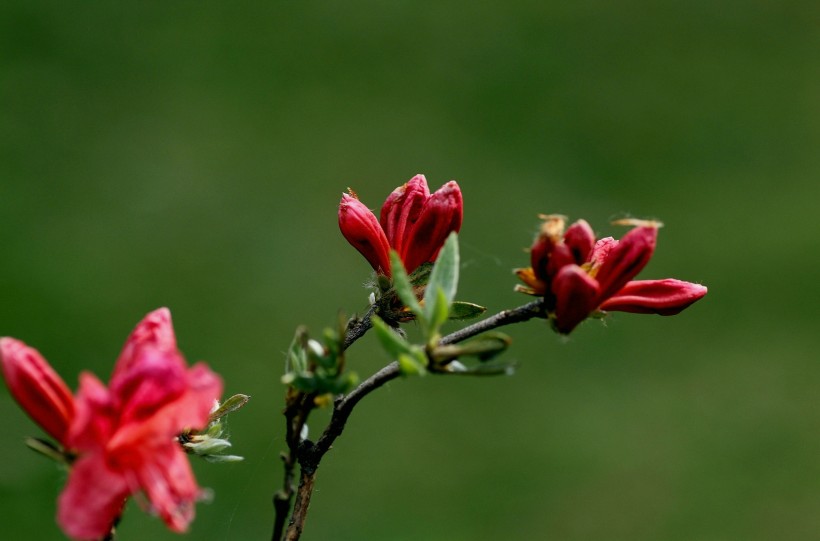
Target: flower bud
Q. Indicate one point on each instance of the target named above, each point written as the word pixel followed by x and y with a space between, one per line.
pixel 37 388
pixel 361 229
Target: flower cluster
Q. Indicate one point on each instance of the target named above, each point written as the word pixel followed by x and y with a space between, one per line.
pixel 120 439
pixel 413 222
pixel 577 275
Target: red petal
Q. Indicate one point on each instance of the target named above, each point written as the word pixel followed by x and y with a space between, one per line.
pixel 92 499
pixel 665 297
pixel 626 260
pixel 402 208
pixel 581 239
pixel 39 390
pixel 441 215
pixel 361 229
pixel 575 297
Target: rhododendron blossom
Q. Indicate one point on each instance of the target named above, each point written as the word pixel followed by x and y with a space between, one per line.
pixel 125 435
pixel 412 222
pixel 578 275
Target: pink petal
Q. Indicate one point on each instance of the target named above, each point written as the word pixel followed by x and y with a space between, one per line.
pixel 155 330
pixel 95 415
pixel 92 499
pixel 154 379
pixel 575 297
pixel 39 390
pixel 601 251
pixel 441 215
pixel 665 297
pixel 189 410
pixel 170 486
pixel 401 209
pixel 626 260
pixel 361 229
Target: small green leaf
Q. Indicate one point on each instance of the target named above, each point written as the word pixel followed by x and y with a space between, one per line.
pixel 460 310
pixel 402 285
pixel 390 340
pixel 438 312
pixel 444 276
pixel 48 449
pixel 410 365
pixel 229 406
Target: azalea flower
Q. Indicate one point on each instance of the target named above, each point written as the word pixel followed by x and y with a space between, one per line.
pixel 123 438
pixel 412 222
pixel 578 276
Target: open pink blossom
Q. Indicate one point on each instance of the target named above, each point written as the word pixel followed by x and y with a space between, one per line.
pixel 125 435
pixel 412 222
pixel 578 275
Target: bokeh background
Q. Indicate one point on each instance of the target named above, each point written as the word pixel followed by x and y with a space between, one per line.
pixel 192 154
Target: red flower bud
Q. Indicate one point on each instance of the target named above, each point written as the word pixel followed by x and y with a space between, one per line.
pixel 401 210
pixel 412 222
pixel 441 215
pixel 361 229
pixel 38 389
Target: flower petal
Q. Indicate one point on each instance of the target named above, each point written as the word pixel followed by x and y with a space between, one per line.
pixel 402 208
pixel 95 415
pixel 575 297
pixel 581 239
pixel 626 259
pixel 155 330
pixel 39 390
pixel 92 500
pixel 442 214
pixel 361 229
pixel 170 486
pixel 665 297
pixel 154 379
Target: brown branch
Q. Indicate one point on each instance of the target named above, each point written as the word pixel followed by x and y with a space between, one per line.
pixel 309 454
pixel 505 317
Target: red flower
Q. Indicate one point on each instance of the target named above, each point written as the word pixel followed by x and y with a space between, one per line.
pixel 125 435
pixel 413 222
pixel 577 275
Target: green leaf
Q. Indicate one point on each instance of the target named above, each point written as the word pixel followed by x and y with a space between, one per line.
pixel 390 340
pixel 460 310
pixel 402 285
pixel 229 406
pixel 410 365
pixel 485 347
pixel 297 356
pixel 438 313
pixel 444 276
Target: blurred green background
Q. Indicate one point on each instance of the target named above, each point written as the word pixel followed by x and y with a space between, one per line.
pixel 192 154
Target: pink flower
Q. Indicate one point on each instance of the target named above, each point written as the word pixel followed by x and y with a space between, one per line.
pixel 125 435
pixel 578 275
pixel 413 222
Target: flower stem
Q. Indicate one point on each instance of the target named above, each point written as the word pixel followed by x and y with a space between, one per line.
pixel 309 454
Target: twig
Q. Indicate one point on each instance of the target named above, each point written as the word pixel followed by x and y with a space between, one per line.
pixel 309 454
pixel 505 317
